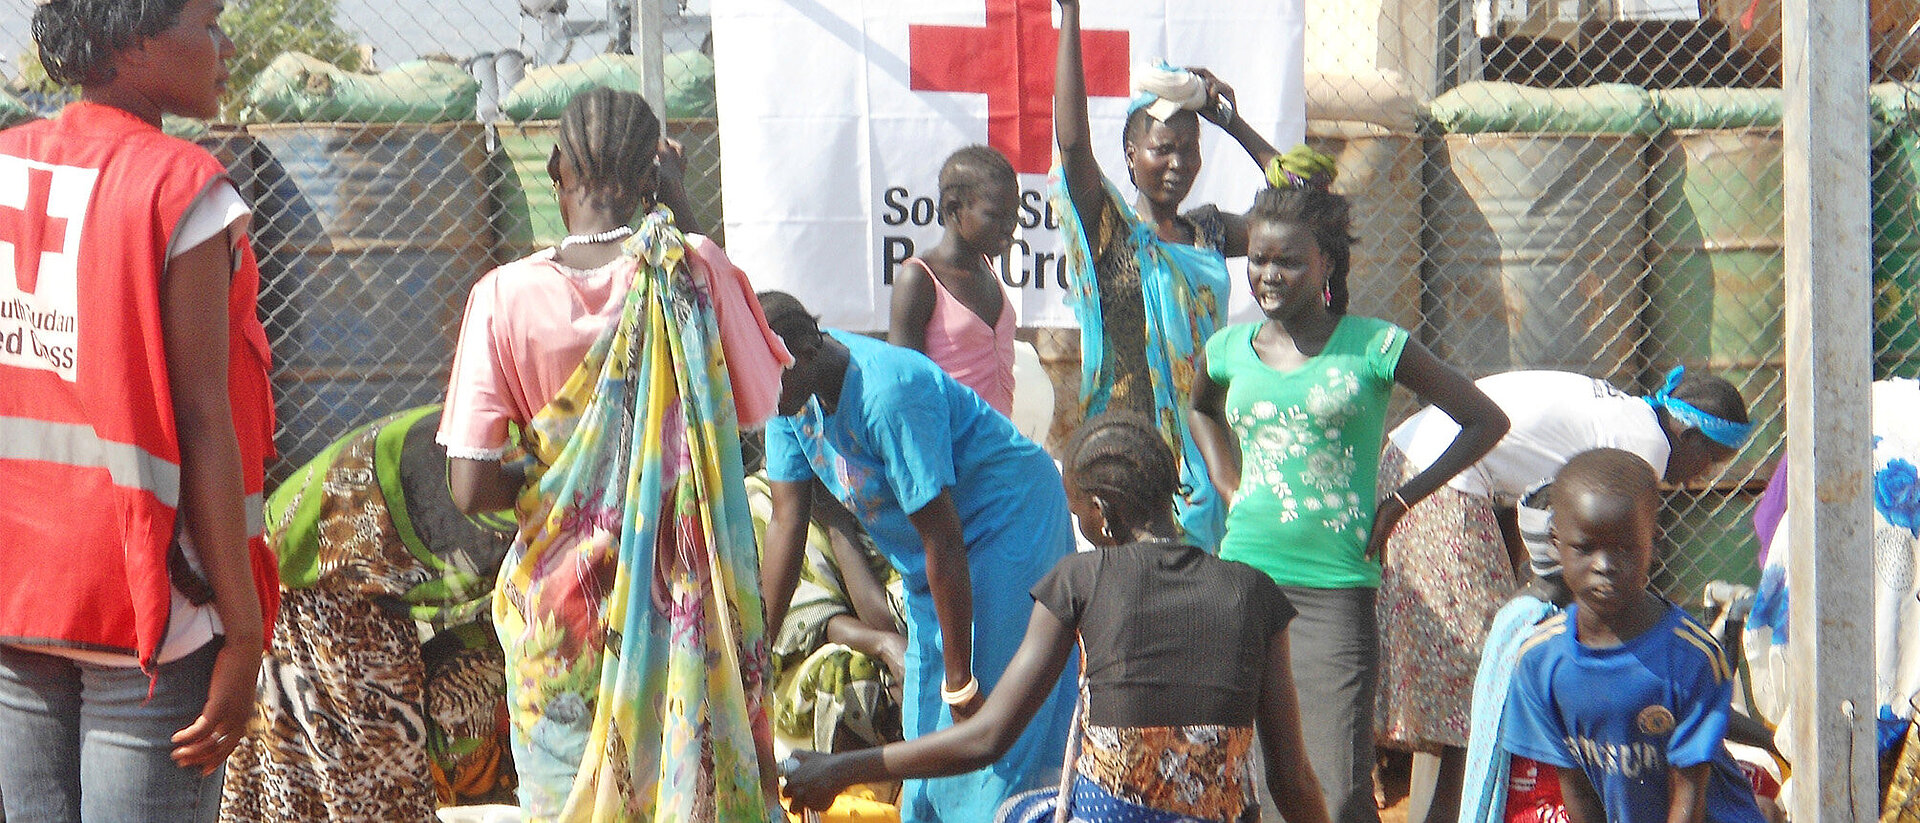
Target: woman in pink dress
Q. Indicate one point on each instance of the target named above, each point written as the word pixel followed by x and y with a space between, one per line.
pixel 949 304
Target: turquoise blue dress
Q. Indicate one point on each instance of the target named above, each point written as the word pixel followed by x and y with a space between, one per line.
pixel 901 432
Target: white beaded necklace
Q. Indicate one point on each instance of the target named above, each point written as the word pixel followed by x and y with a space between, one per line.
pixel 615 233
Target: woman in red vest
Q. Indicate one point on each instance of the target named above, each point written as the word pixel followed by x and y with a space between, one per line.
pixel 134 422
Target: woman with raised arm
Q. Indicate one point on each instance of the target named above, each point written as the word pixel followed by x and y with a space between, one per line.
pixel 1148 281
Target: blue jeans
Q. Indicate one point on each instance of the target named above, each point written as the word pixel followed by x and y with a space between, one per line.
pixel 84 742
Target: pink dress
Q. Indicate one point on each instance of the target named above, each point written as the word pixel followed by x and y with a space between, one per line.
pixel 529 323
pixel 964 346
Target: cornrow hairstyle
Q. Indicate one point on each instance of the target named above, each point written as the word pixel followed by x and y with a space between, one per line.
pixel 609 138
pixel 1325 215
pixel 1712 394
pixel 1609 471
pixel 969 170
pixel 1121 458
pixel 77 39
pixel 788 318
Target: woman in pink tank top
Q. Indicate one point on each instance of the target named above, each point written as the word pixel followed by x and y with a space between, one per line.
pixel 949 304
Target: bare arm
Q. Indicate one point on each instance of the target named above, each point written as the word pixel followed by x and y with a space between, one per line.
pixel 952 585
pixel 484 485
pixel 1482 424
pixel 1582 802
pixel 193 330
pixel 1508 519
pixel 1243 133
pixel 1207 423
pixel 1070 129
pixel 869 598
pixel 786 542
pixel 1687 793
pixel 673 191
pixel 1295 789
pixel 912 307
pixel 963 747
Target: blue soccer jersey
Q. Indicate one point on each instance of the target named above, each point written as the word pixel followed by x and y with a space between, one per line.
pixel 1623 715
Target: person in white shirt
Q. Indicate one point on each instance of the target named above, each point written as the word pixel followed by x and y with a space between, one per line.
pixel 1459 554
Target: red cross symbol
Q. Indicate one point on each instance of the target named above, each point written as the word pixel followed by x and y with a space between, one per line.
pixel 1011 61
pixel 32 231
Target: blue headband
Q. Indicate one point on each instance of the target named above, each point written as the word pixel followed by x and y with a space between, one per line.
pixel 1719 430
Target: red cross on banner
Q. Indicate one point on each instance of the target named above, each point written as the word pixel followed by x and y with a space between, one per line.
pixel 32 231
pixel 1010 60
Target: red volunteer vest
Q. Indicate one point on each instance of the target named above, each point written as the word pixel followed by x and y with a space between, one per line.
pixel 89 457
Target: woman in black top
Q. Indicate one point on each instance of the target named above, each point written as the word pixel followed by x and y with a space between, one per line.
pixel 1184 652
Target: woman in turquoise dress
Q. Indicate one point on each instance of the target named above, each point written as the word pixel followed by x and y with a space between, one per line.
pixel 969 511
pixel 1147 281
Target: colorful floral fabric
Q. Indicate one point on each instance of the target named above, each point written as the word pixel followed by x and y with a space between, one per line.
pixel 1197 771
pixel 629 607
pixel 1146 308
pixel 1445 576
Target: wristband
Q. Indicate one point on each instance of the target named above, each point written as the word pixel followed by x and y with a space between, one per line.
pixel 960 696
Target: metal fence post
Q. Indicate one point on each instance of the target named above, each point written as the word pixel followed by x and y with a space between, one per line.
pixel 1829 351
pixel 651 25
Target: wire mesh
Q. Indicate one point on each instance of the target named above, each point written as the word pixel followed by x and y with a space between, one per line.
pixel 1566 238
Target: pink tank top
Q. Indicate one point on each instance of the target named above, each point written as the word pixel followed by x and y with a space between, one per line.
pixel 964 346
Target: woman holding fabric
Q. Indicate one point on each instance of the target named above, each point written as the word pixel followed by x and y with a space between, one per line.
pixel 970 512
pixel 626 608
pixel 1149 282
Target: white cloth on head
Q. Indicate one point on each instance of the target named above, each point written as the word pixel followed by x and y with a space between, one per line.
pixel 1554 415
pixel 1174 89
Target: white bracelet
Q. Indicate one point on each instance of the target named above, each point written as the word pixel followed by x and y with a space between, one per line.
pixel 960 696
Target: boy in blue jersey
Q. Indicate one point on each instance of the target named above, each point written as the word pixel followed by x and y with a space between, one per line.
pixel 1624 693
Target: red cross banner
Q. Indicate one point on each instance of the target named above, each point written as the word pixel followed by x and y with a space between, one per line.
pixel 835 116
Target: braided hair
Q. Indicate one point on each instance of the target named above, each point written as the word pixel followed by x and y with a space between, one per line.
pixel 1120 458
pixel 1309 201
pixel 609 139
pixel 77 39
pixel 969 170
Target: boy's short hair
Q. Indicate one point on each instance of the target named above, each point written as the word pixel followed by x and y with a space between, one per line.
pixel 1609 470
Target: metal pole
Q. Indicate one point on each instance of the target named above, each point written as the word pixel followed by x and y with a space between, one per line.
pixel 1829 365
pixel 650 30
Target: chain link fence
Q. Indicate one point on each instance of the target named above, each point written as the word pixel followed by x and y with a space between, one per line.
pixel 1590 185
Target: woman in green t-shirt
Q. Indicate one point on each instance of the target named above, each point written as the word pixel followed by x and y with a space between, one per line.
pixel 1304 395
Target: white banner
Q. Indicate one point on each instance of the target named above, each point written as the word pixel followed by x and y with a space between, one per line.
pixel 835 116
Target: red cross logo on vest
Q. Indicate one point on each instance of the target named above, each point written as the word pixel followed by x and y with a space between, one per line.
pixel 1010 60
pixel 31 231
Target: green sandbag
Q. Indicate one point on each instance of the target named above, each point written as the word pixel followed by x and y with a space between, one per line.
pixel 13 111
pixel 1485 107
pixel 1709 108
pixel 689 76
pixel 543 93
pixel 300 88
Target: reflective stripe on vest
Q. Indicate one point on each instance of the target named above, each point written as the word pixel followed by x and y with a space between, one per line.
pixel 74 444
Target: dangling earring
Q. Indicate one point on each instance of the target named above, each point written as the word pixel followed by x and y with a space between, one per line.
pixel 1105 521
pixel 1326 296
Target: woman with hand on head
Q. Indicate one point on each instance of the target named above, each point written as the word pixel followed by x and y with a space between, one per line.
pixel 968 510
pixel 1186 656
pixel 629 358
pixel 949 304
pixel 1148 281
pixel 135 590
pixel 1290 414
